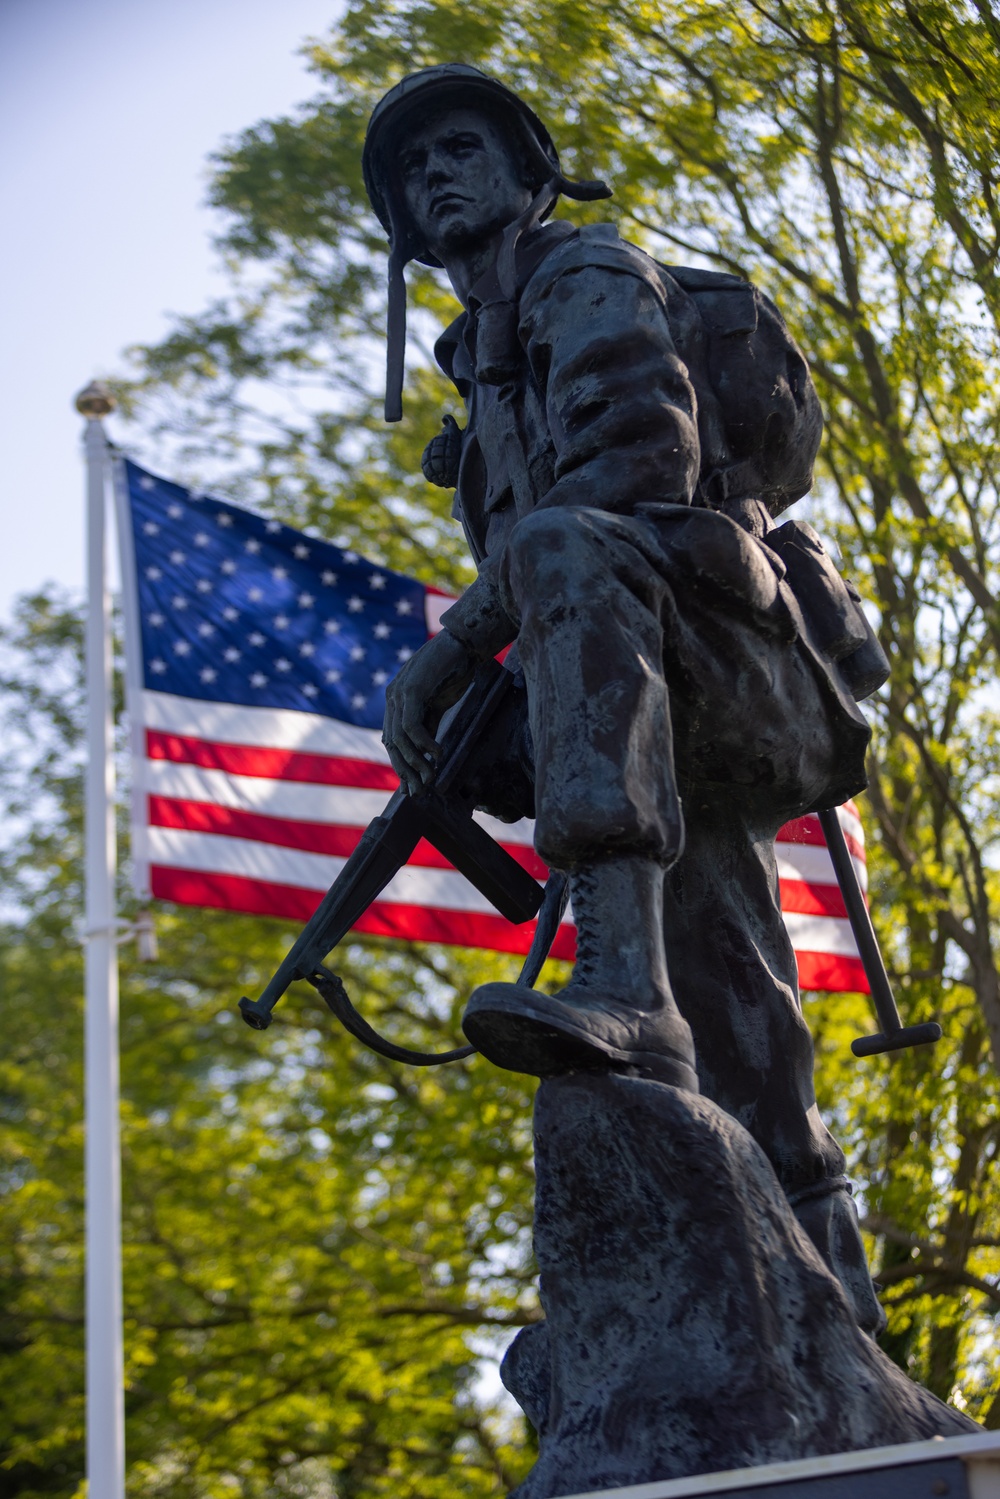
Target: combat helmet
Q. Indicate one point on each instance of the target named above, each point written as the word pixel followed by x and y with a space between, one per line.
pixel 450 84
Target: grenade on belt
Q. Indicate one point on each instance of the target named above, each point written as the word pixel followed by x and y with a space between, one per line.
pixel 442 455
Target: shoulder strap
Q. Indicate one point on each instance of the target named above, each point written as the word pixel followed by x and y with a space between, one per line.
pixel 727 303
pixel 593 245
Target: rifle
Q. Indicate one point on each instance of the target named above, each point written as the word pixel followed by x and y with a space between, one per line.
pixel 441 813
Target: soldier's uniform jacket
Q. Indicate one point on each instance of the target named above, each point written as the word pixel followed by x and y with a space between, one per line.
pixel 594 376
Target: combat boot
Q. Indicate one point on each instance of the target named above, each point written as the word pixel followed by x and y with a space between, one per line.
pixel 617 1011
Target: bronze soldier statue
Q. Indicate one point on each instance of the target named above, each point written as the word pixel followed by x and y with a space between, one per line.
pixel 691 669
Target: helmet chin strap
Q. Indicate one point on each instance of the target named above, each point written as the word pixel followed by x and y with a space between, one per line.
pixel 541 204
pixel 396 334
pixel 403 251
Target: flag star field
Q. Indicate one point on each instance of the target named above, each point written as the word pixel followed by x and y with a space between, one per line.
pixel 237 607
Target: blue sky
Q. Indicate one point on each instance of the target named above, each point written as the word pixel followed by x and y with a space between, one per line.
pixel 108 110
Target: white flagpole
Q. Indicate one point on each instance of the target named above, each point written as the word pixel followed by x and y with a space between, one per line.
pixel 105 1364
pixel 133 706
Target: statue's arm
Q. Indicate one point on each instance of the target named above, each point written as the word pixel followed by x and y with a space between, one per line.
pixel 621 409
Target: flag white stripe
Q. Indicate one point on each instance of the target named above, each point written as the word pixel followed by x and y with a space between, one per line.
pixel 435 604
pixel 352 806
pixel 347 806
pixel 267 728
pixel 826 934
pixel 812 863
pixel 851 825
pixel 211 853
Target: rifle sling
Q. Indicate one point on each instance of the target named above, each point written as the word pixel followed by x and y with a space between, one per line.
pixel 332 990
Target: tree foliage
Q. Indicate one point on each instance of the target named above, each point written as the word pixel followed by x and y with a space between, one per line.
pixel 839 152
pixel 311 1236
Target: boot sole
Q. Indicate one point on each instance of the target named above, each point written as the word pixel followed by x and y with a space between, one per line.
pixel 522 1042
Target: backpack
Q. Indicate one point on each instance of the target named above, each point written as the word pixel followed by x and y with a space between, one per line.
pixel 759 418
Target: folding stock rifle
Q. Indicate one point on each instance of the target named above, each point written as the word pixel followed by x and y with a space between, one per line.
pixel 441 813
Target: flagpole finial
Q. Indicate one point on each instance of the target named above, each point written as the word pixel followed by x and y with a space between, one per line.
pixel 95 401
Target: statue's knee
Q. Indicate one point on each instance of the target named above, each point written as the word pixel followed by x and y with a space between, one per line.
pixel 543 533
pixel 553 544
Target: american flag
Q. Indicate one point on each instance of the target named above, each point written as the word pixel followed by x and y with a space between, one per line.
pixel 257 662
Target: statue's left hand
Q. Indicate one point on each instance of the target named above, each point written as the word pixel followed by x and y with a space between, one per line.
pixel 430 682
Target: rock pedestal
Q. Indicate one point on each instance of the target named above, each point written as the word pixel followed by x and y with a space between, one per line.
pixel 691 1326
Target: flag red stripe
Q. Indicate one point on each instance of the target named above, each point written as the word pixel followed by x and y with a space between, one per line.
pixel 808 830
pixel 342 770
pixel 228 892
pixel 270 764
pixel 310 837
pixel 812 900
pixel 421 924
pixel 821 970
pixel 458 929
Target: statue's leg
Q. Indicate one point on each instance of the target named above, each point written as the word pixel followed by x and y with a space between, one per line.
pixel 734 974
pixel 758 742
pixel 589 601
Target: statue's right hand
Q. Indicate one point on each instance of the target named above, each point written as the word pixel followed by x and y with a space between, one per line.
pixel 430 682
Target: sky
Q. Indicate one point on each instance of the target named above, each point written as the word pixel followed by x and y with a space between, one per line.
pixel 108 112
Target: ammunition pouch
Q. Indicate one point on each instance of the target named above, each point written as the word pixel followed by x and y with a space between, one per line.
pixel 831 607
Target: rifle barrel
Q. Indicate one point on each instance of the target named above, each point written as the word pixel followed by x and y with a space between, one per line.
pixel 382 850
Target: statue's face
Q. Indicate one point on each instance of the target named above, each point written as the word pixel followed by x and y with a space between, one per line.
pixel 460 181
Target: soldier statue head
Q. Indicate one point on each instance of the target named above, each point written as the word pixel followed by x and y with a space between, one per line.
pixel 441 120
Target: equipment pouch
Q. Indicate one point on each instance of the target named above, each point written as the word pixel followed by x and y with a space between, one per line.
pixel 831 607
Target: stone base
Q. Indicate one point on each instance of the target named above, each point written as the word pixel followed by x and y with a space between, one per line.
pixel 691 1326
pixel 959 1467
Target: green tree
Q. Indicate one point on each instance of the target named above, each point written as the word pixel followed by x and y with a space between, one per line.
pixel 310 1234
pixel 839 153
